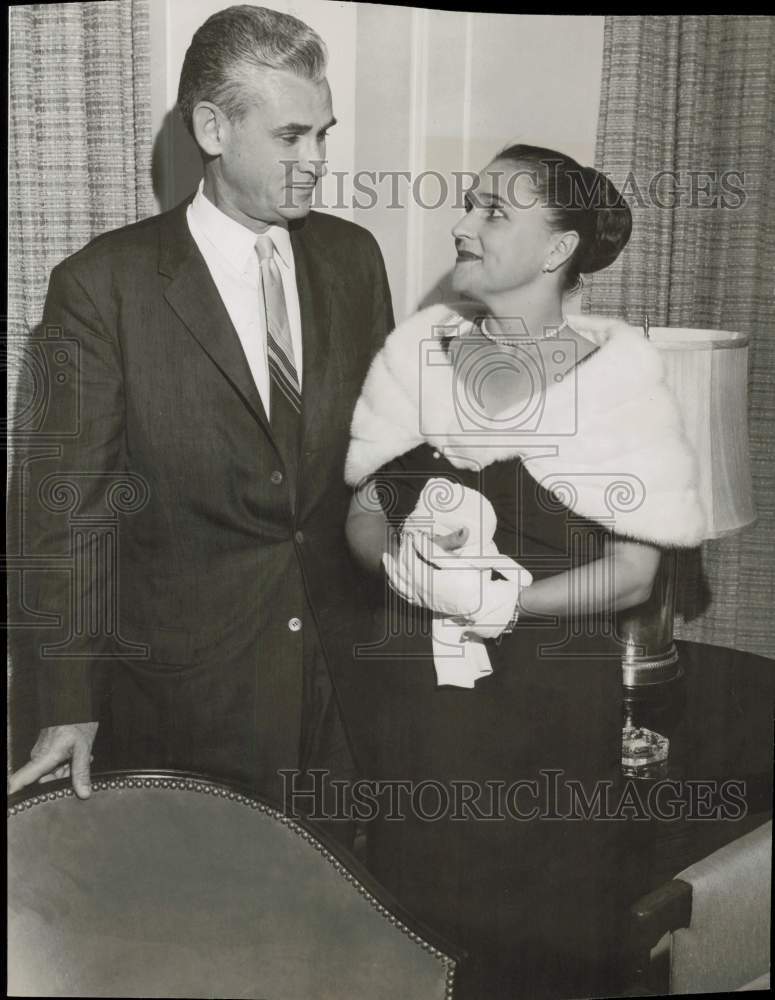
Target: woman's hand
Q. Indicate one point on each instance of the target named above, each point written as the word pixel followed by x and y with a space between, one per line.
pixel 454 540
pixel 423 573
pixel 500 600
pixel 370 536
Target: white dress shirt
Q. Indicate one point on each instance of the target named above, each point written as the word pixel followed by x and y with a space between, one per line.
pixel 229 250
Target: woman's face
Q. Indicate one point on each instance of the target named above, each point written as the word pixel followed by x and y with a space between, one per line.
pixel 503 239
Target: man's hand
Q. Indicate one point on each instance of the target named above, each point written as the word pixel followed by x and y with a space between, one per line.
pixel 51 757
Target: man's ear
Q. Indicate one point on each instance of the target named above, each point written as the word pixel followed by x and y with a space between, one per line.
pixel 209 125
pixel 563 249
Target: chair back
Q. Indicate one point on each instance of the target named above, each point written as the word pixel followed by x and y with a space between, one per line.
pixel 162 885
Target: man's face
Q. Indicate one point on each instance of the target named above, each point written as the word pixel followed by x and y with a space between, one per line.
pixel 272 158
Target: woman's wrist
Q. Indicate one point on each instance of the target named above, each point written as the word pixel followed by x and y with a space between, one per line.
pixel 523 613
pixel 511 624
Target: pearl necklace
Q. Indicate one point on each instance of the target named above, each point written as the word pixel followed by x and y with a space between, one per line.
pixel 519 341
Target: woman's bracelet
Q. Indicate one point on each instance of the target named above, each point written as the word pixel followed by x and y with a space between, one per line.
pixel 512 622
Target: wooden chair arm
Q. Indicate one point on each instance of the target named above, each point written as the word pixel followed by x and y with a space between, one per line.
pixel 651 917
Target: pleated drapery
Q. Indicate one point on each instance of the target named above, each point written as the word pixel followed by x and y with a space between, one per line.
pixel 687 131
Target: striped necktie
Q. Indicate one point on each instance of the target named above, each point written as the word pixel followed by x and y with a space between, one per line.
pixel 279 346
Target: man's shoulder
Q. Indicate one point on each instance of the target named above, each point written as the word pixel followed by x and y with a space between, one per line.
pixel 131 244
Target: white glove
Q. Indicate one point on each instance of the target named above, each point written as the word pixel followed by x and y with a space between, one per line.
pixel 456 584
pixel 424 574
pixel 499 600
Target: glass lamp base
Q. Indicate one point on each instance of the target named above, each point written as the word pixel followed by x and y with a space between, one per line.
pixel 644 753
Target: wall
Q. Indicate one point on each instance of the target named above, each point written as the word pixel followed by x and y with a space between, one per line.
pixel 443 91
pixel 414 90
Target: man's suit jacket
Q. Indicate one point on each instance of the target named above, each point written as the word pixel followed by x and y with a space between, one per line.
pixel 185 543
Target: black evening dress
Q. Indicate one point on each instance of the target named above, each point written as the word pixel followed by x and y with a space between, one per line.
pixel 521 880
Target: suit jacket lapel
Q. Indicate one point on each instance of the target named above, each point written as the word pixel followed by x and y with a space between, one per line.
pixel 314 279
pixel 194 297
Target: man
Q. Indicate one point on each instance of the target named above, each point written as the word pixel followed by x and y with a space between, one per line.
pixel 218 351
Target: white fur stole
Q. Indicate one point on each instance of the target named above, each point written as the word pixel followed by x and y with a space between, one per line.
pixel 606 440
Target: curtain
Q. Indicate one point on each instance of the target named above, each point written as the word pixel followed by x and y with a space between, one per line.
pixel 79 136
pixel 687 128
pixel 79 156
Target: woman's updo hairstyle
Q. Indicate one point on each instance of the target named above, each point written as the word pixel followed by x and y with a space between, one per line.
pixel 578 198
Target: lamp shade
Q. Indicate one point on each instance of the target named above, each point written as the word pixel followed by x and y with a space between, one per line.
pixel 708 373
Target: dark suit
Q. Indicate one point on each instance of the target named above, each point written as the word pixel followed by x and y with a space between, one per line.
pixel 219 547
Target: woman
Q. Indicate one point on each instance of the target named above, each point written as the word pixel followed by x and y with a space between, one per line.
pixel 566 434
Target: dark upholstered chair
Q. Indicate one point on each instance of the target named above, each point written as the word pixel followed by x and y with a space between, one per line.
pixel 709 927
pixel 163 885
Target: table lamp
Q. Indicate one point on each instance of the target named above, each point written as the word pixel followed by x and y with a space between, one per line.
pixel 708 373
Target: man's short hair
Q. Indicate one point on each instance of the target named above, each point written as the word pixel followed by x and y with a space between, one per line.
pixel 237 40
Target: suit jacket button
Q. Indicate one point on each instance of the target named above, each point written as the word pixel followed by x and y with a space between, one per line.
pixel 295 624
pixel 299 536
pixel 276 477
